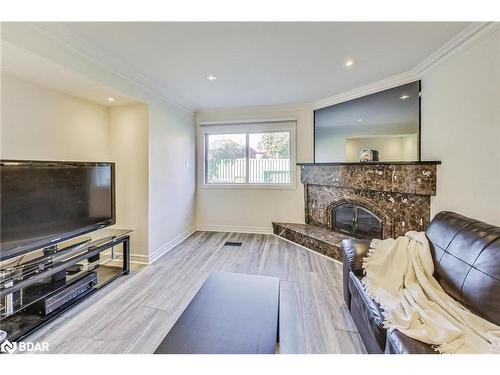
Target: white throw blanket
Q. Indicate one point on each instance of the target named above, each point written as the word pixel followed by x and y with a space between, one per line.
pixel 398 275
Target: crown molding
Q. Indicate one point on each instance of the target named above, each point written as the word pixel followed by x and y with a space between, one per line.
pixel 467 38
pixel 387 83
pixel 247 121
pixel 257 108
pixel 95 54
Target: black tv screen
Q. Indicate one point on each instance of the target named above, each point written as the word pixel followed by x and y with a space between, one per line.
pixel 43 203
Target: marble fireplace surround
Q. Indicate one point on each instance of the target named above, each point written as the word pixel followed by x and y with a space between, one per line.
pixel 397 192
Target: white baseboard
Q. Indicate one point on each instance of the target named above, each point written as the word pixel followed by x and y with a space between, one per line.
pixel 234 229
pixel 134 259
pixel 169 245
pixel 138 258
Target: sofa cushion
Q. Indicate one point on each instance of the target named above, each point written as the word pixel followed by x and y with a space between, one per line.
pixel 466 260
pixel 398 343
pixel 481 288
pixel 367 316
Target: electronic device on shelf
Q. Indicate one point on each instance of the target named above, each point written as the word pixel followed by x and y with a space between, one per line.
pixel 73 270
pixel 37 264
pixel 67 246
pixel 40 264
pixel 60 297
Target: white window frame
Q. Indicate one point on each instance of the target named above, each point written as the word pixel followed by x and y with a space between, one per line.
pixel 250 127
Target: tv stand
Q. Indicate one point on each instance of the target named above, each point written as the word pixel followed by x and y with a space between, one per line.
pixel 36 291
pixel 68 245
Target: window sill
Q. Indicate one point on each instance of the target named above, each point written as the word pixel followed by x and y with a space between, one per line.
pixel 249 186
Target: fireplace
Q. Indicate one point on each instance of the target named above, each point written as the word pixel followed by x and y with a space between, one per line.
pixel 361 200
pixel 356 221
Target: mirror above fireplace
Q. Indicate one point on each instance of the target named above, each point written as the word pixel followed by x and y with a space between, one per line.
pixel 384 126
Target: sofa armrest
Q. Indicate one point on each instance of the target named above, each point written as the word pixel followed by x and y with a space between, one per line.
pixel 399 343
pixel 354 252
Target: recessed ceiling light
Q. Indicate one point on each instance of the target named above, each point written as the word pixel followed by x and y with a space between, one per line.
pixel 211 78
pixel 404 97
pixel 349 63
pixel 111 99
pixel 360 119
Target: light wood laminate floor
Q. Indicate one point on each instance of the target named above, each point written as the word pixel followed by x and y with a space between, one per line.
pixel 135 312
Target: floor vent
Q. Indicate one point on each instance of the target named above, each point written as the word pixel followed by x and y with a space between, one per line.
pixel 229 243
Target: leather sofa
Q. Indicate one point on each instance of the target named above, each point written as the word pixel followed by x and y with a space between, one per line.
pixel 466 256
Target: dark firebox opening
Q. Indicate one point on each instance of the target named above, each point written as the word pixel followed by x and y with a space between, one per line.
pixel 356 221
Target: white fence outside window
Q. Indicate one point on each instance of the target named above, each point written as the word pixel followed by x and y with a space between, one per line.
pixel 260 171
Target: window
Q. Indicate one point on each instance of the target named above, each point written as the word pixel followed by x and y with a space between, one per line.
pixel 249 155
pixel 226 158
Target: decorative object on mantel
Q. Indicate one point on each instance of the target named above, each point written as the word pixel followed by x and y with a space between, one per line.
pixel 397 194
pixel 368 155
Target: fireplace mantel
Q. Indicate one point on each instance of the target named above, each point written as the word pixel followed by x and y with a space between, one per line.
pixel 431 162
pixel 404 177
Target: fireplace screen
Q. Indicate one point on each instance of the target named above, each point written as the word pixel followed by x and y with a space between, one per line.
pixel 356 221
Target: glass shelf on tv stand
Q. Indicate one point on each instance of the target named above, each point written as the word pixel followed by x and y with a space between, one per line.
pixel 36 275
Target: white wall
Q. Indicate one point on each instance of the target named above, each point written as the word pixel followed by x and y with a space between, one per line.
pixel 250 209
pixel 172 179
pixel 152 144
pixel 128 129
pixel 42 124
pixel 155 191
pixel 154 197
pixel 170 217
pixel 461 127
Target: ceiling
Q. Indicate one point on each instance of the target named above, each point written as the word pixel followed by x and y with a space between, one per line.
pixel 257 64
pixel 383 110
pixel 31 67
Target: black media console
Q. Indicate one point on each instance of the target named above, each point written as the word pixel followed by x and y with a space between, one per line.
pixel 37 287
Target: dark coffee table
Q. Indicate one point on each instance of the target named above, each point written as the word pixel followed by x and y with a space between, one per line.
pixel 231 313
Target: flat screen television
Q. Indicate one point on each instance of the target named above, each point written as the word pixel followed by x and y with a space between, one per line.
pixel 44 202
